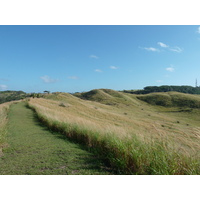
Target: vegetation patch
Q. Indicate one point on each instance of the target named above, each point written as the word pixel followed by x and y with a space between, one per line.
pixel 166 88
pixel 157 99
pixel 4 109
pixel 7 96
pixel 172 99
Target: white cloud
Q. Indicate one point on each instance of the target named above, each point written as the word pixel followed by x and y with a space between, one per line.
pixel 176 49
pixel 94 56
pixel 98 70
pixel 170 69
pixel 162 45
pixel 113 67
pixel 3 87
pixel 151 49
pixel 73 77
pixel 47 79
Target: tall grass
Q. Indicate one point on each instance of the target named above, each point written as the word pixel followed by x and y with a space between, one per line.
pixel 4 108
pixel 127 155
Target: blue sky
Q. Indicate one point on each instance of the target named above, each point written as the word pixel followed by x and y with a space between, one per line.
pixel 80 58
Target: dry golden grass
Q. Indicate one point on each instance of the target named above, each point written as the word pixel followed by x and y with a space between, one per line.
pixel 149 123
pixel 3 115
pixel 3 124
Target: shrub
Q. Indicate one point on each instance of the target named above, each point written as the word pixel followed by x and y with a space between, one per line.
pixel 62 105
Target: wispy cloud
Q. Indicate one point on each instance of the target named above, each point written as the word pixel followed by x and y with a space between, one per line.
pixel 3 87
pixel 94 56
pixel 98 70
pixel 176 49
pixel 47 79
pixel 151 49
pixel 114 67
pixel 73 77
pixel 170 69
pixel 162 45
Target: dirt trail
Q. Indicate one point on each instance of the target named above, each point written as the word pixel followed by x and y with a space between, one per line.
pixel 33 149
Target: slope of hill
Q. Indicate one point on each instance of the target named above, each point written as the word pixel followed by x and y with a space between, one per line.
pixel 107 97
pixel 7 96
pixel 132 135
pixel 173 99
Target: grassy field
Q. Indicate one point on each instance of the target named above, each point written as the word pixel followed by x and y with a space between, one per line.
pixel 33 150
pixel 133 135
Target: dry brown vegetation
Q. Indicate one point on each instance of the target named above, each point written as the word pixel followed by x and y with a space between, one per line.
pixel 4 108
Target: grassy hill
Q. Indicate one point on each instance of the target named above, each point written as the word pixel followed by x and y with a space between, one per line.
pixel 7 96
pixel 107 97
pixel 135 134
pixel 172 99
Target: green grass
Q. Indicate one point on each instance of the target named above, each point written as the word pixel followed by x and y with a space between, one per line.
pixel 172 99
pixel 33 149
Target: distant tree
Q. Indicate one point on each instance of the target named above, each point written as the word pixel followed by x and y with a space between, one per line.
pixel 46 92
pixel 166 88
pixel 33 95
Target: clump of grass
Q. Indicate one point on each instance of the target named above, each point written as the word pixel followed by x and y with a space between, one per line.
pixel 62 105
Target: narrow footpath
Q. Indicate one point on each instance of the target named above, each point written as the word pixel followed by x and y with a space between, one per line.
pixel 34 150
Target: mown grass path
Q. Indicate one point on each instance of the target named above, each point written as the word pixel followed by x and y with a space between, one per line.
pixel 33 149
